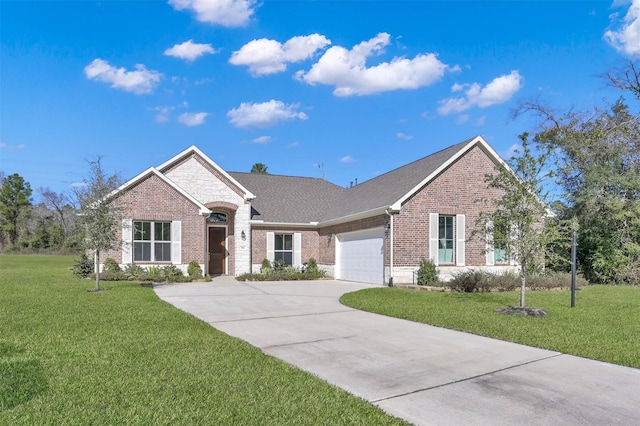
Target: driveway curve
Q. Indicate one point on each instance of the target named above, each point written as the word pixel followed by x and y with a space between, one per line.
pixel 423 374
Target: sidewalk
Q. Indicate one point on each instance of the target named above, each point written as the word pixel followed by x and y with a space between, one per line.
pixel 423 374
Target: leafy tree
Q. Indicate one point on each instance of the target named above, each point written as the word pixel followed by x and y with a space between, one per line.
pixel 100 213
pixel 259 168
pixel 519 221
pixel 15 201
pixel 598 164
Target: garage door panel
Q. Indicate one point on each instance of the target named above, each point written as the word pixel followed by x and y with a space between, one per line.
pixel 361 256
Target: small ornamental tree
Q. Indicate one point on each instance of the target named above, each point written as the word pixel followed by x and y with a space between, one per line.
pixel 519 222
pixel 100 213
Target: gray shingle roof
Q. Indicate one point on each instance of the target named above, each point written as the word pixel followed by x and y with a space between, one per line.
pixel 289 199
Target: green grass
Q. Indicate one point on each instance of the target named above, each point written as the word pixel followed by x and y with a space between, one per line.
pixel 604 325
pixel 123 356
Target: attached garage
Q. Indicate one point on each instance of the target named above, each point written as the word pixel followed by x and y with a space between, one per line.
pixel 360 256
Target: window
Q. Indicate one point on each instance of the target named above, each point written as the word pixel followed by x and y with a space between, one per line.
pixel 500 235
pixel 151 241
pixel 283 248
pixel 446 239
pixel 217 217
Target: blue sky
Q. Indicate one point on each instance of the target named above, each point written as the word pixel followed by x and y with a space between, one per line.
pixel 351 89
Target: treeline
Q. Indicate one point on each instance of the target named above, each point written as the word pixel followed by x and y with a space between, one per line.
pixel 50 226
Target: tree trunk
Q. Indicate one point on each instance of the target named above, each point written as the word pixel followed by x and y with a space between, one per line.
pixel 523 281
pixel 97 268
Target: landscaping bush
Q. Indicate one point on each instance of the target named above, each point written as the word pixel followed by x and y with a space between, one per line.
pixel 280 272
pixel 470 281
pixel 553 280
pixel 427 273
pixel 110 265
pixel 279 265
pixel 134 271
pixel 266 267
pixel 194 270
pixel 82 267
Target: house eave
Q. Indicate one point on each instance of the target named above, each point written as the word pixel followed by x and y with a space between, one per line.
pixel 357 216
pixel 262 223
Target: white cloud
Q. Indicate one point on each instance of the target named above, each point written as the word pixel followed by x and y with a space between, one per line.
pixel 12 147
pixel 263 114
pixel 463 118
pixel 293 144
pixel 192 118
pixel 348 72
pixel 189 50
pixel 262 139
pixel 626 38
pixel 228 13
pixel 511 151
pixel 404 136
pixel 347 159
pixel 264 56
pixel 163 113
pixel 500 90
pixel 140 81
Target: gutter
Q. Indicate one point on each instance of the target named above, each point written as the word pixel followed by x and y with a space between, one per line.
pixel 390 213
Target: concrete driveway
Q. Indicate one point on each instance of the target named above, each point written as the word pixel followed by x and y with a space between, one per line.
pixel 423 374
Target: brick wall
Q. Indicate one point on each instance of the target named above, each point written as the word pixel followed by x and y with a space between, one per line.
pixel 457 190
pixel 310 243
pixel 327 248
pixel 154 200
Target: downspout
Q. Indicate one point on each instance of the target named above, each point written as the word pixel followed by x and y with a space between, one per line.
pixel 390 248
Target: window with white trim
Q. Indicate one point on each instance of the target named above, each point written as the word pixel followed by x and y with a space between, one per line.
pixel 283 248
pixel 446 239
pixel 286 247
pixel 500 235
pixel 151 241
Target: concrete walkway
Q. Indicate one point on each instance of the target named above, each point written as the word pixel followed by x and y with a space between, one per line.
pixel 423 374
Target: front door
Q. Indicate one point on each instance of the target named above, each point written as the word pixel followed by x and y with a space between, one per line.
pixel 217 250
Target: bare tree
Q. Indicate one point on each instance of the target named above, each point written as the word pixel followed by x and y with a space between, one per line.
pixel 59 205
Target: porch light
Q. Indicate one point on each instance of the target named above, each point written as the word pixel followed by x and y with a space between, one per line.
pixel 243 235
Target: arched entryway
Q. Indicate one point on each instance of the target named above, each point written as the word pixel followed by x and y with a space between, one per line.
pixel 220 238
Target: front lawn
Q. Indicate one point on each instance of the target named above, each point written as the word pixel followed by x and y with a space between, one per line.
pixel 604 325
pixel 123 356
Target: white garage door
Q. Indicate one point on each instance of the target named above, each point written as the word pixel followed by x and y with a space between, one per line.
pixel 360 256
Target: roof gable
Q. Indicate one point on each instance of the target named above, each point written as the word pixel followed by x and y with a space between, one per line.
pixel 152 171
pixel 193 150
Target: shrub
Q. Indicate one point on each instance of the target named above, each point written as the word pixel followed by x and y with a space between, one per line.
pixel 171 273
pixel 194 270
pixel 279 265
pixel 266 267
pixel 470 281
pixel 310 271
pixel 110 265
pixel 506 281
pixel 427 273
pixel 134 271
pixel 82 267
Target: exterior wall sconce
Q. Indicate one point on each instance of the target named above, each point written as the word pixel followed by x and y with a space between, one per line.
pixel 243 235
